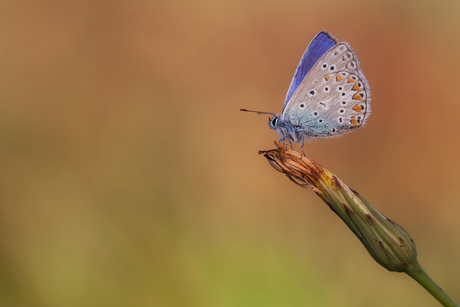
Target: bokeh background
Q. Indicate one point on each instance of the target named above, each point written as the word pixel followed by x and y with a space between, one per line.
pixel 128 177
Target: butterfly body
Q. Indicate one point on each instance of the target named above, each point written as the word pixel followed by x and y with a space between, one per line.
pixel 328 96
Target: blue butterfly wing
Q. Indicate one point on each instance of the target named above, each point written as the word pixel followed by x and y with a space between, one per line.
pixel 317 48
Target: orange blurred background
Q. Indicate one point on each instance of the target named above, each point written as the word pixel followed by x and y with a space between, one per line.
pixel 129 177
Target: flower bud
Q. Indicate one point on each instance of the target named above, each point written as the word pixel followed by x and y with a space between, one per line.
pixel 387 242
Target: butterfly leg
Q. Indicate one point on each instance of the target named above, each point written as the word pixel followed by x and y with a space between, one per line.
pixel 283 139
pixel 302 150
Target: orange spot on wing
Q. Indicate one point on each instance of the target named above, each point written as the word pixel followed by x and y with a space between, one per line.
pixel 353 121
pixel 355 87
pixel 327 78
pixel 357 96
pixel 358 108
pixel 339 77
pixel 350 80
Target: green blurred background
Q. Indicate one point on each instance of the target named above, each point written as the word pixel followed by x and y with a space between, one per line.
pixel 129 177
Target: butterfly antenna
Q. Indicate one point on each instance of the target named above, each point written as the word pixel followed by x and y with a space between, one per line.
pixel 258 112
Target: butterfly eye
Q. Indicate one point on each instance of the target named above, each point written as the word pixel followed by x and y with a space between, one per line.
pixel 273 121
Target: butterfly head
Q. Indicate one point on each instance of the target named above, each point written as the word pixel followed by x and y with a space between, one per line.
pixel 273 122
pixel 283 128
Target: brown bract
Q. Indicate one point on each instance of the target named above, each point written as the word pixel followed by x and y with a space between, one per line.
pixel 301 170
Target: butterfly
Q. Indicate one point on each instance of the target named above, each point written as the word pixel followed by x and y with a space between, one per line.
pixel 328 95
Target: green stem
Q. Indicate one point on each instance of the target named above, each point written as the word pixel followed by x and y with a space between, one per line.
pixel 416 272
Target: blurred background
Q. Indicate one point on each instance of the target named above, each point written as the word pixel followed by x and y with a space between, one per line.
pixel 128 177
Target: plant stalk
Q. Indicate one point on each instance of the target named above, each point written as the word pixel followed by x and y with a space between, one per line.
pixel 416 272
